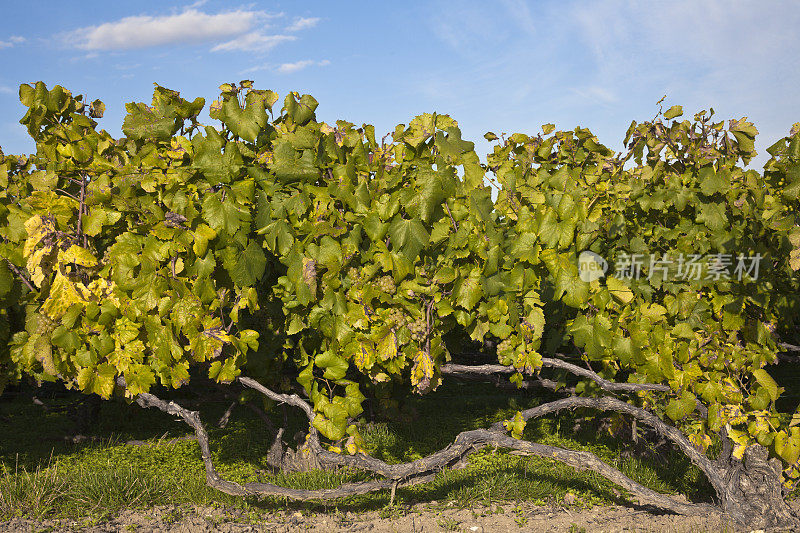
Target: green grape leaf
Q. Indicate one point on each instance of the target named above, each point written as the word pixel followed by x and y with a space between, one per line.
pixel 433 187
pixel 713 216
pixel 144 122
pixel 335 367
pixel 468 291
pixel 516 425
pixel 221 215
pixel 100 380
pixel 139 378
pixel 678 409
pixel 245 123
pixel 408 236
pixel 6 278
pixel 300 111
pixel 288 167
pixel 97 217
pixel 224 371
pixel 249 266
pixel 712 181
pixel 765 380
pixel 331 429
pixel 673 112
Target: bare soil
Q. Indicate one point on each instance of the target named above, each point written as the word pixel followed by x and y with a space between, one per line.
pixel 432 517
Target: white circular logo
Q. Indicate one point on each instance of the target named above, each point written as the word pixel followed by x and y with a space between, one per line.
pixel 591 266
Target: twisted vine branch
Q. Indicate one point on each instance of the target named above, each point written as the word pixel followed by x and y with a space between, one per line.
pixel 610 386
pixel 604 384
pixel 464 444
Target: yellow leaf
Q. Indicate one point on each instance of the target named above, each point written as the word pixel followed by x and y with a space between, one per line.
pixel 655 312
pixel 700 440
pixel 619 290
pixel 104 290
pixel 84 378
pixel 354 444
pixel 64 293
pixel 379 377
pixel 78 255
pixel 528 361
pixel 794 259
pixel 99 381
pixel 124 356
pixel 202 235
pixel 516 425
pixel 179 374
pixel 387 347
pixel 423 373
pixel 365 356
pixel 34 266
pixel 104 380
pixel 125 330
pixel 44 354
pixel 37 229
pixel 738 451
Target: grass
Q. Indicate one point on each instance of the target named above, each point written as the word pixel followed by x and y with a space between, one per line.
pixel 41 475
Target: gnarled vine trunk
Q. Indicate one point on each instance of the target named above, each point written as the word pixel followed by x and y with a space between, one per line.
pixel 749 491
pixel 753 493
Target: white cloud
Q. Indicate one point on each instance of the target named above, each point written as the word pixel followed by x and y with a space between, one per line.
pixel 190 26
pixel 253 42
pixel 733 56
pixel 465 26
pixel 14 39
pixel 596 93
pixel 521 14
pixel 6 90
pixel 637 39
pixel 255 69
pixel 288 68
pixel 469 26
pixel 303 23
pixel 601 64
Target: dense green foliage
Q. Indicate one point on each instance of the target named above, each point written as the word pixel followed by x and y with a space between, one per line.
pixel 282 247
pixel 708 335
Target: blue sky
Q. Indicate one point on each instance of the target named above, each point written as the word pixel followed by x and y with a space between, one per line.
pixel 504 66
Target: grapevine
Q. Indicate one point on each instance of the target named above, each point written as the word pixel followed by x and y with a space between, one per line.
pixel 279 248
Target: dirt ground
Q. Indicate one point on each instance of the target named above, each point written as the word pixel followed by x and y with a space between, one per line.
pixel 423 518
